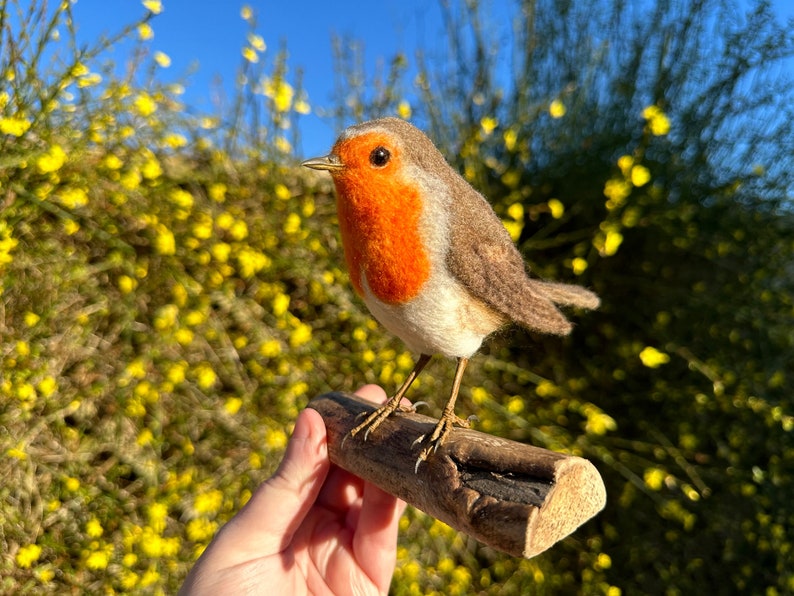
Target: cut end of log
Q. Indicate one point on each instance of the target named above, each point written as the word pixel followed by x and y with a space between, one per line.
pixel 577 495
pixel 516 498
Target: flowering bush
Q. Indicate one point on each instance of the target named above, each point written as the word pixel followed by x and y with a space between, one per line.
pixel 172 294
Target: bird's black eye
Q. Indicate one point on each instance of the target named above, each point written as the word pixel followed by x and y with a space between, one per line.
pixel 379 157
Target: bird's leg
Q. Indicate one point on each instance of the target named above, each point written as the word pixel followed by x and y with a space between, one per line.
pixel 375 419
pixel 448 418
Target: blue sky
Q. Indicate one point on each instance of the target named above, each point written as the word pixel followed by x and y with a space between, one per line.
pixel 211 33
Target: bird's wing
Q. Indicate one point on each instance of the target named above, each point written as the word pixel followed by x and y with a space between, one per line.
pixel 484 259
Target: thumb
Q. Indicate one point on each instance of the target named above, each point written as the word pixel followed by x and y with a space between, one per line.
pixel 271 517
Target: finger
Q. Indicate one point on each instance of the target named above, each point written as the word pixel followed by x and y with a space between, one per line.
pixel 343 490
pixel 271 517
pixel 375 538
pixel 373 393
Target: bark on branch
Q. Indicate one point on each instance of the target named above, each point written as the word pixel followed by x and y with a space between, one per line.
pixel 516 498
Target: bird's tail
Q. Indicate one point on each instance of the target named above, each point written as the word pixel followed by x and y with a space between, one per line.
pixel 567 294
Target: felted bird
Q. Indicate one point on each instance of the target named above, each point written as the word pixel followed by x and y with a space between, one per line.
pixel 430 258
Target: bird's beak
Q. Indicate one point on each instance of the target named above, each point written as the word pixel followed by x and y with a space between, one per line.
pixel 329 162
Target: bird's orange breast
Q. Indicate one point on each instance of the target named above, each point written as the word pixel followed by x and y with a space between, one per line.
pixel 379 221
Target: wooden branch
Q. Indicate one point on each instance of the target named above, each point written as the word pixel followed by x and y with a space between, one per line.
pixel 516 498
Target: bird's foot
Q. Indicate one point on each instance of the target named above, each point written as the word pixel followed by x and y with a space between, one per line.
pixel 374 419
pixel 440 433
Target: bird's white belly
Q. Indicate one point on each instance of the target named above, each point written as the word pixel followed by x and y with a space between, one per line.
pixel 441 319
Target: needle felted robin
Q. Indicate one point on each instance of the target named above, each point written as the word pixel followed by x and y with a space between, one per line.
pixel 430 258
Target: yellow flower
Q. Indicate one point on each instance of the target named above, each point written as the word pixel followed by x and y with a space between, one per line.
pixel 579 265
pixel 202 229
pixel 14 126
pixel 514 228
pixel 27 555
pixel 71 227
pixel 151 575
pixel 280 92
pixel 208 503
pixel 47 386
pixel 157 513
pixel 658 122
pixel 162 59
pixel 181 198
pixel 603 561
pixel 201 529
pixel 280 304
pixel 126 284
pixel 220 251
pixel 239 230
pixel 292 224
pixel 153 6
pixel 302 106
pixel 488 124
pixel 217 192
pixel 282 192
pixel 151 168
pixel 598 422
pixel 176 372
pixel 184 337
pixel 31 319
pixel 232 405
pixel 246 13
pixel 144 104
pixel 640 175
pixel 72 198
pixel 164 242
pixel 616 190
pixel 256 42
pixel 145 32
pixel 129 579
pixel 166 317
pixel 612 242
pixel 17 453
pixel 276 439
pixel 510 137
pixel 89 80
pixel 145 437
pixel 53 160
pixel 556 208
pixel 112 162
pixel 99 559
pixel 45 575
pixel 557 109
pixel 131 179
pixel 251 262
pixel 654 478
pixel 205 376
pixel 653 358
pixel 282 144
pixel 404 110
pixel 175 140
pixel 300 335
pixel 270 348
pixel 250 55
pixel 93 528
pixel 625 163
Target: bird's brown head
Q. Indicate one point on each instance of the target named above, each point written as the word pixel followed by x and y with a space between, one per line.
pixel 379 150
pixel 377 168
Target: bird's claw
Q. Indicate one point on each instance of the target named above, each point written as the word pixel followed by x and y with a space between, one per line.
pixel 373 420
pixel 438 436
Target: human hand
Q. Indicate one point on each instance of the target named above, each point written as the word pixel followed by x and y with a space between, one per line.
pixel 312 528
